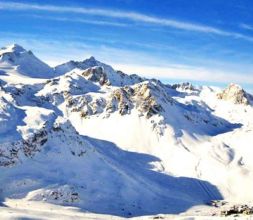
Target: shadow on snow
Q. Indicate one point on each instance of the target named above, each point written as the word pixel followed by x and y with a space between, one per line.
pixel 158 192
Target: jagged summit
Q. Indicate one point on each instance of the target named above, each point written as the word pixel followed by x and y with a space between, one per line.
pixel 116 78
pixel 236 94
pixel 70 65
pixel 90 59
pixel 185 86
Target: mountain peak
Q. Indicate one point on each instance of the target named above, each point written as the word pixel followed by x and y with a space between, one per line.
pixel 234 93
pixel 92 58
pixel 16 47
pixel 24 62
pixel 12 48
pixel 90 62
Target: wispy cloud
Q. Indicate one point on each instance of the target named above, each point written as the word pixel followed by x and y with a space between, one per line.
pixel 132 16
pixel 186 73
pixel 53 53
pixel 246 26
pixel 85 21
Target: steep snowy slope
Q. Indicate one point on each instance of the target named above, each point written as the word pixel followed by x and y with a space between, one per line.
pixel 49 161
pixel 14 59
pixel 114 144
pixel 184 131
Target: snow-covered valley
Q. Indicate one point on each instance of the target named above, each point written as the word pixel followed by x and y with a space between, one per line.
pixel 82 140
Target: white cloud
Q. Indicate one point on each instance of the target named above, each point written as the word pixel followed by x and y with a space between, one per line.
pixel 246 26
pixel 85 21
pixel 185 73
pixel 133 16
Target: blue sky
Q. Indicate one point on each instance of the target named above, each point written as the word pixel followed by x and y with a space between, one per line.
pixel 205 42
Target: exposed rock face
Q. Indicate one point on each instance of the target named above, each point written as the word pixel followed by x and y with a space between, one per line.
pixel 96 74
pixel 235 94
pixel 115 78
pixel 57 194
pixel 238 209
pixel 10 152
pixel 144 97
pixel 33 145
pixel 147 100
pixel 64 87
pixel 120 99
pixel 184 86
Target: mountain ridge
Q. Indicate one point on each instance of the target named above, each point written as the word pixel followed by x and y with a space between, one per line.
pixel 93 135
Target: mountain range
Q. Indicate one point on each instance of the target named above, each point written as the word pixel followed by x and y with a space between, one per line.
pixel 83 138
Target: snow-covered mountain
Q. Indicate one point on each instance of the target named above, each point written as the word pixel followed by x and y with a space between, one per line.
pixel 116 78
pixel 15 59
pixel 84 135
